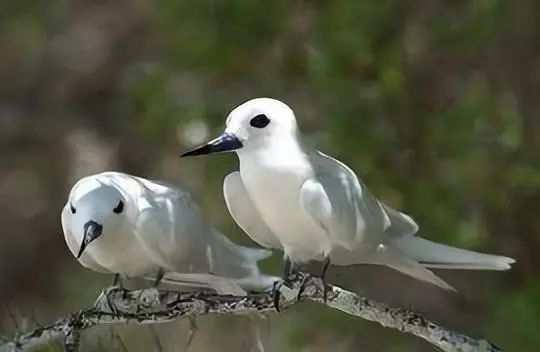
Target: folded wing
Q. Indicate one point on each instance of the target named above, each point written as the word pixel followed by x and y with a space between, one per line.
pixel 245 214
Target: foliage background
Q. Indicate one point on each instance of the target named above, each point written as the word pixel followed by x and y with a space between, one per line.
pixel 434 103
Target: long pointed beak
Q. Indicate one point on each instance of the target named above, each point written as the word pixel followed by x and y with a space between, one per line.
pixel 92 230
pixel 227 142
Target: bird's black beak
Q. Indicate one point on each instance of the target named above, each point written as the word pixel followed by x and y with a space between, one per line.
pixel 227 142
pixel 92 230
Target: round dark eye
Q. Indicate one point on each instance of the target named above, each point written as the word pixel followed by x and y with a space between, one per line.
pixel 73 210
pixel 119 208
pixel 260 121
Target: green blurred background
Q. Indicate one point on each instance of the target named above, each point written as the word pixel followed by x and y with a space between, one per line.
pixel 433 103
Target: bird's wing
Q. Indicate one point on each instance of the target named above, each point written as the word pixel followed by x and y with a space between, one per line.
pixel 86 260
pixel 341 204
pixel 173 231
pixel 245 214
pixel 400 224
pixel 219 284
pixel 168 225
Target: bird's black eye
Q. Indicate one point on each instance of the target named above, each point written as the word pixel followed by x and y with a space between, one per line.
pixel 260 121
pixel 119 208
pixel 73 210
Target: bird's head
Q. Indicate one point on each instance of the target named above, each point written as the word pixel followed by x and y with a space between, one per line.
pixel 254 124
pixel 94 209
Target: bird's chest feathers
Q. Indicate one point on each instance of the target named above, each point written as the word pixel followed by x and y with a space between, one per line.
pixel 121 253
pixel 274 180
pixel 274 186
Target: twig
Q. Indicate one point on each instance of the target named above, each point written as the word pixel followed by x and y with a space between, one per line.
pixel 151 306
pixel 12 317
pixel 155 337
pixel 191 333
pixel 116 336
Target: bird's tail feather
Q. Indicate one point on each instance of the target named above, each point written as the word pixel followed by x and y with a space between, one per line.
pixel 257 254
pixel 413 256
pixel 391 256
pixel 440 256
pixel 201 280
pixel 257 281
pixel 241 263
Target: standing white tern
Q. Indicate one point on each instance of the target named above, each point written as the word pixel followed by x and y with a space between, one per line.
pixel 122 224
pixel 313 207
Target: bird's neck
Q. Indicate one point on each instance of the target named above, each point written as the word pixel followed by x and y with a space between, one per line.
pixel 284 165
pixel 282 153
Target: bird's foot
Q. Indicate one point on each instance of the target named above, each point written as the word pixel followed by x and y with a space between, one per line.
pixel 276 291
pixel 289 288
pixel 302 287
pixel 276 295
pixel 326 265
pixel 105 301
pixel 111 306
pixel 326 289
pixel 117 281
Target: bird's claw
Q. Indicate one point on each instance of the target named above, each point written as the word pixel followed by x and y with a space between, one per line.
pixel 276 295
pixel 276 291
pixel 302 287
pixel 105 302
pixel 325 292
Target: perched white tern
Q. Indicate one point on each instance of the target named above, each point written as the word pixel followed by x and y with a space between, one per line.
pixel 122 224
pixel 313 207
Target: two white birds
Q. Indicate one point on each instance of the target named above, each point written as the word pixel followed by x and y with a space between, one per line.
pixel 121 224
pixel 290 197
pixel 285 196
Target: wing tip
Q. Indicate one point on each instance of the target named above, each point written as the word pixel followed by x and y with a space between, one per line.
pixel 505 263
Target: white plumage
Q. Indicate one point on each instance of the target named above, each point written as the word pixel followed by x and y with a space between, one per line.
pixel 311 206
pixel 147 226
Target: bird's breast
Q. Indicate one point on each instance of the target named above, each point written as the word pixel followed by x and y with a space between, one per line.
pixel 121 255
pixel 275 191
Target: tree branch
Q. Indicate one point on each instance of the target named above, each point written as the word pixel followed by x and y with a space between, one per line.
pixel 152 306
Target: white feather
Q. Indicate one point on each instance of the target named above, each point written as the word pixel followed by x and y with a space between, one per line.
pixel 161 227
pixel 294 198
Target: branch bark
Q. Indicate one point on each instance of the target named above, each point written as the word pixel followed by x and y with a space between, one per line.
pixel 152 306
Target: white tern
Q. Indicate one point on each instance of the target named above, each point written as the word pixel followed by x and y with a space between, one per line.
pixel 122 224
pixel 313 207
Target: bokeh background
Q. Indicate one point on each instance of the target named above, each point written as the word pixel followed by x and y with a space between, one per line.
pixel 435 104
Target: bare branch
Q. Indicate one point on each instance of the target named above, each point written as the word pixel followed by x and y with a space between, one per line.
pixel 152 306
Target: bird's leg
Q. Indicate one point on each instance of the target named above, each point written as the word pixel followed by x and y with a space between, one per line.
pixel 110 303
pixel 117 281
pixel 326 265
pixel 159 277
pixel 288 270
